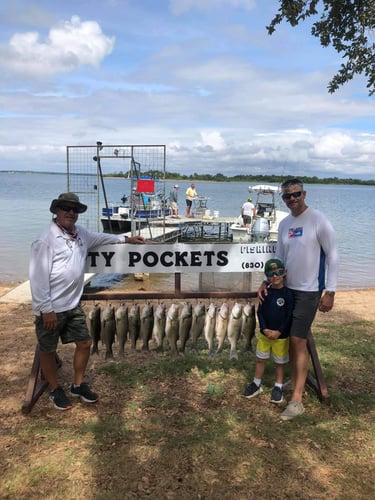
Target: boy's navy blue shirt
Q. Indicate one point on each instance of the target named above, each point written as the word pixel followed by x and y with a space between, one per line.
pixel 275 313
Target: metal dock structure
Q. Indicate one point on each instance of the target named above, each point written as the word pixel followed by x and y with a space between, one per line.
pixel 173 229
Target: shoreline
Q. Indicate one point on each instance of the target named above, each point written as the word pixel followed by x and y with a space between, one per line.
pixel 8 285
pixel 350 305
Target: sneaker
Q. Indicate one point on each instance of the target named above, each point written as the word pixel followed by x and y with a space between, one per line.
pixel 292 410
pixel 252 390
pixel 59 399
pixel 276 395
pixel 84 392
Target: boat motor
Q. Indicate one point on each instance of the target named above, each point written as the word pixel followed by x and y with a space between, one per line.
pixel 261 230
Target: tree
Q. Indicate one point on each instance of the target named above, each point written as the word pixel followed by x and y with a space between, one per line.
pixel 347 25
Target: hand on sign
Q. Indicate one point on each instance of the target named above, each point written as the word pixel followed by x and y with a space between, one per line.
pixel 135 240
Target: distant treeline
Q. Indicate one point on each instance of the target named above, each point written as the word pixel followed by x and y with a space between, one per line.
pixel 261 179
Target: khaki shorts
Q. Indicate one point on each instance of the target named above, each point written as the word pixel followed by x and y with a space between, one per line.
pixel 279 348
pixel 71 327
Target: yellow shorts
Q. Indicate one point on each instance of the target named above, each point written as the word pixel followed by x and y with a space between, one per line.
pixel 279 349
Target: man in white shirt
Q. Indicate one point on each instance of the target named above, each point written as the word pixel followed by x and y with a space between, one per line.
pixel 57 263
pixel 248 212
pixel 307 245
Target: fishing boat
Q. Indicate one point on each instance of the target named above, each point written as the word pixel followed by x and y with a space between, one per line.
pixel 142 207
pixel 265 224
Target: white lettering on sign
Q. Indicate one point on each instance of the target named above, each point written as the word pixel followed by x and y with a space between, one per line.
pixel 179 257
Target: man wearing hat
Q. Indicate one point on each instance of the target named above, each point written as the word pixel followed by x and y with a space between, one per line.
pixel 248 212
pixel 57 263
pixel 173 200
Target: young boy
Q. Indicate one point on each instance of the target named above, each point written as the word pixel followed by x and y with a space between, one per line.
pixel 274 315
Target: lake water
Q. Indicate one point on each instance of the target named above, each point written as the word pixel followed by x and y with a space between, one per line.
pixel 25 199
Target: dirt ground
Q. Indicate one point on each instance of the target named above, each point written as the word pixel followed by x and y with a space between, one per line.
pixel 18 345
pixel 18 342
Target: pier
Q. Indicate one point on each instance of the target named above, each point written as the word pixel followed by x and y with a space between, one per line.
pixel 177 229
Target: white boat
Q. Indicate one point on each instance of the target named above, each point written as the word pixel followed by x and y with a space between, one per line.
pixel 265 224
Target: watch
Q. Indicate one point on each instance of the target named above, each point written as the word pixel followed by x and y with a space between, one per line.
pixel 329 293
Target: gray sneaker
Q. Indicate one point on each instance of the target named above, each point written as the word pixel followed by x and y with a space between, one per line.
pixel 292 410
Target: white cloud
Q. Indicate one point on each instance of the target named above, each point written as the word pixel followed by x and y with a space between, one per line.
pixel 68 46
pixel 212 139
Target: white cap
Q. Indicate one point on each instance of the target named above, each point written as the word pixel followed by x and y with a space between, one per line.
pixel 176 185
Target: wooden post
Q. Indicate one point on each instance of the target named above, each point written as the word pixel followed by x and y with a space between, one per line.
pixel 37 383
pixel 317 383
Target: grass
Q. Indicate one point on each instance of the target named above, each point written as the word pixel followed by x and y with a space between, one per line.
pixel 181 429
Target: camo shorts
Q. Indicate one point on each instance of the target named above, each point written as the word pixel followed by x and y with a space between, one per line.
pixel 279 348
pixel 71 327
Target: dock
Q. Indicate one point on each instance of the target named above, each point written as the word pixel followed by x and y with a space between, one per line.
pixel 173 228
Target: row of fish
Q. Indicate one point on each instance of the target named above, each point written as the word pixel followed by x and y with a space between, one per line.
pixel 177 324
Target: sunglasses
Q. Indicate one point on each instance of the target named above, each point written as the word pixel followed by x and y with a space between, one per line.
pixel 67 208
pixel 278 272
pixel 287 196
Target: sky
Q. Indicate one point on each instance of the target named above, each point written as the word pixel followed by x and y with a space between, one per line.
pixel 202 77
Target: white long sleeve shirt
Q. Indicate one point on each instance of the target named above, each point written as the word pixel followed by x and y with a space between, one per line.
pixel 307 246
pixel 57 264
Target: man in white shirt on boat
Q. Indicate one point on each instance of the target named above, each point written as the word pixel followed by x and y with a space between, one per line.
pixel 248 212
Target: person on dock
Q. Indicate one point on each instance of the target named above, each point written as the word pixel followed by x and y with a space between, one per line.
pixel 190 195
pixel 275 316
pixel 173 200
pixel 248 212
pixel 57 263
pixel 307 246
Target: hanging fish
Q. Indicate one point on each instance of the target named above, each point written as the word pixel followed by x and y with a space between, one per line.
pixel 134 323
pixel 95 327
pixel 248 325
pixel 122 327
pixel 234 329
pixel 108 329
pixel 158 330
pixel 147 322
pixel 209 327
pixel 172 327
pixel 185 324
pixel 197 324
pixel 221 325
